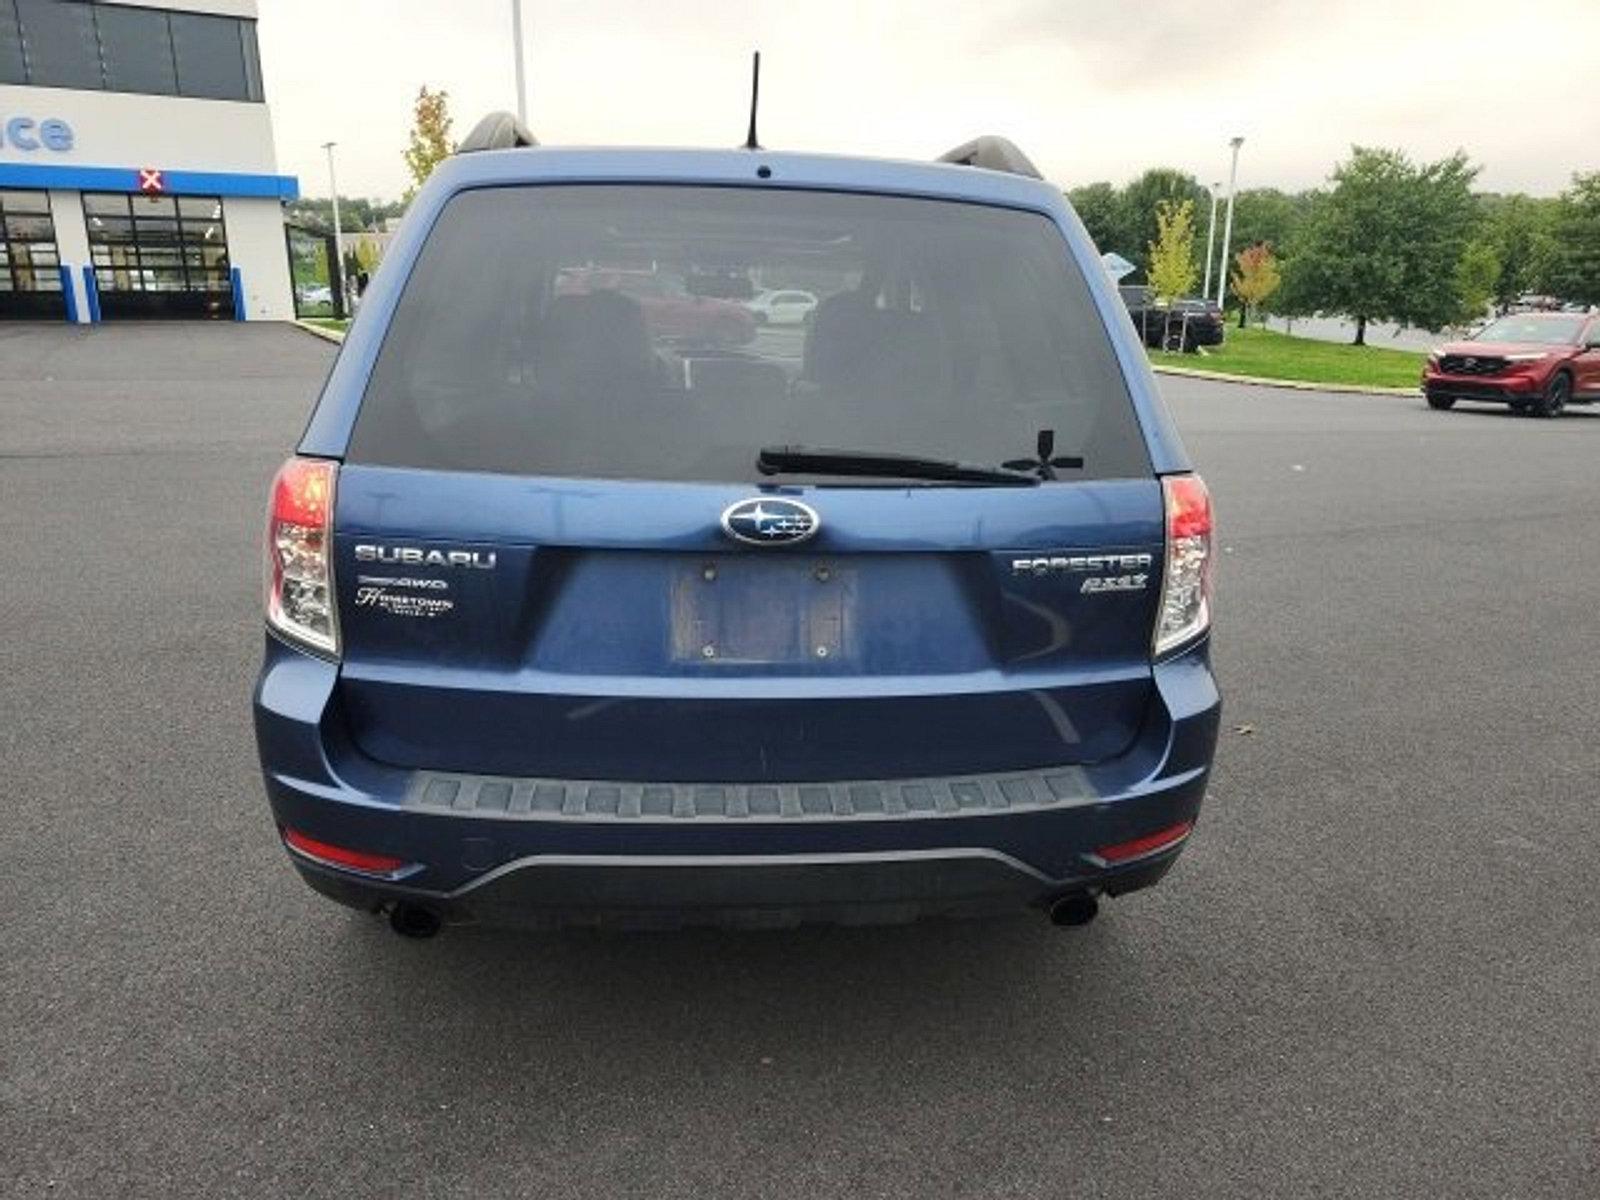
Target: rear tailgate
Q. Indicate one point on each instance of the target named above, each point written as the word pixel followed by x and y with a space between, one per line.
pixel 612 630
pixel 533 574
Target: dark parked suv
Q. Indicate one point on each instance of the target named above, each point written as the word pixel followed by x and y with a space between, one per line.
pixel 1186 324
pixel 902 611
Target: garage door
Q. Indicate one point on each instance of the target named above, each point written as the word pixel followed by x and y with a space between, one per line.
pixel 30 271
pixel 159 256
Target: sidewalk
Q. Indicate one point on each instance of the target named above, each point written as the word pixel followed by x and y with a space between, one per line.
pixel 1296 385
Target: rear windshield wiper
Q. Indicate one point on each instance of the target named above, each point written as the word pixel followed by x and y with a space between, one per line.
pixel 776 460
pixel 1048 462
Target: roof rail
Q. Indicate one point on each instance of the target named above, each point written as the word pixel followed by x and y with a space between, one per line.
pixel 497 131
pixel 992 153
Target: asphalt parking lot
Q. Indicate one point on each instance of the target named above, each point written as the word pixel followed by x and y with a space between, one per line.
pixel 1375 973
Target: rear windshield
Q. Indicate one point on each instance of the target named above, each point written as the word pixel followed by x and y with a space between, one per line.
pixel 672 332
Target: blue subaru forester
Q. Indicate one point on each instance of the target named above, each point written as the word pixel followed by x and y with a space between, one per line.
pixel 595 595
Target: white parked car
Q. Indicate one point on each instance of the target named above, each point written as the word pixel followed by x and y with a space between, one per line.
pixel 783 307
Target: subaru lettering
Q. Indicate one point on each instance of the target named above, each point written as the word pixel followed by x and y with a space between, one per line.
pixel 418 556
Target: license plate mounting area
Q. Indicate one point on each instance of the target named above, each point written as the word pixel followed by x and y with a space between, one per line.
pixel 763 610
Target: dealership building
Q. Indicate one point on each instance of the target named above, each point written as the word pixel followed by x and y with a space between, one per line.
pixel 137 172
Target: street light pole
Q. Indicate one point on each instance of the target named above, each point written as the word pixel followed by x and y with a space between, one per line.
pixel 522 78
pixel 1227 225
pixel 1211 236
pixel 338 233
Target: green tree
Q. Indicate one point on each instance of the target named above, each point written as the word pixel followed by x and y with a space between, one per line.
pixel 355 212
pixel 1477 275
pixel 1255 277
pixel 1521 229
pixel 1124 219
pixel 1140 201
pixel 1099 207
pixel 368 253
pixel 1172 272
pixel 1385 243
pixel 1576 274
pixel 430 137
pixel 1265 215
pixel 1294 297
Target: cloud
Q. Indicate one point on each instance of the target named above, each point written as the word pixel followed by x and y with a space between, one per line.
pixel 1133 47
pixel 1092 89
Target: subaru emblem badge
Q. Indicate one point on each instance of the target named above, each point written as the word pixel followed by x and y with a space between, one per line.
pixel 770 521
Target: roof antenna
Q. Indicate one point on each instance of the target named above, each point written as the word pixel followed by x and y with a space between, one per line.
pixel 750 142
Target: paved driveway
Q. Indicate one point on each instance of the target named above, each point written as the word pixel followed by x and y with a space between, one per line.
pixel 1376 972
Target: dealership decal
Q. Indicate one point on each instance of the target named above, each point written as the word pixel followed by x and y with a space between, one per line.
pixel 401 604
pixel 403 595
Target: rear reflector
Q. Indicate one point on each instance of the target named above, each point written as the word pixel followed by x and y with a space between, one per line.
pixel 1151 843
pixel 340 856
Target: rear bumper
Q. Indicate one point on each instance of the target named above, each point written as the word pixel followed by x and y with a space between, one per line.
pixel 750 891
pixel 536 852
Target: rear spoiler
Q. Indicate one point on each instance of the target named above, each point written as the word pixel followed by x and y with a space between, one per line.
pixel 497 131
pixel 502 131
pixel 992 153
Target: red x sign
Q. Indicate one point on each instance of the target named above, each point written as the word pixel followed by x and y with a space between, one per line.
pixel 150 180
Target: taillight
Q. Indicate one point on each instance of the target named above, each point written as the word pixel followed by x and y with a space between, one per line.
pixel 300 597
pixel 1186 580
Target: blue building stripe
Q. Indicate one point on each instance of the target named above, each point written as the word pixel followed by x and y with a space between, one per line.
pixel 126 179
pixel 238 295
pixel 67 292
pixel 91 293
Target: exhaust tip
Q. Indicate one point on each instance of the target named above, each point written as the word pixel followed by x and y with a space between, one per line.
pixel 414 921
pixel 1079 908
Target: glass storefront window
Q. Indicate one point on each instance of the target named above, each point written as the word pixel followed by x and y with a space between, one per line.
pixel 159 255
pixel 14 202
pixel 59 43
pixel 200 208
pixel 210 56
pixel 115 47
pixel 136 49
pixel 30 267
pixel 13 65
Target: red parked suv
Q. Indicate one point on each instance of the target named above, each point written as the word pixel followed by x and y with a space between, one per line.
pixel 1536 362
pixel 670 310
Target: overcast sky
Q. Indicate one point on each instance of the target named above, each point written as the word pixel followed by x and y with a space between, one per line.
pixel 1091 89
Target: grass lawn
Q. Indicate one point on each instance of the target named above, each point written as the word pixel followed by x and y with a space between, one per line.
pixel 1262 354
pixel 337 325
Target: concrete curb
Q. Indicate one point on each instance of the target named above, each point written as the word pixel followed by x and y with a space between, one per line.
pixel 1294 385
pixel 327 335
